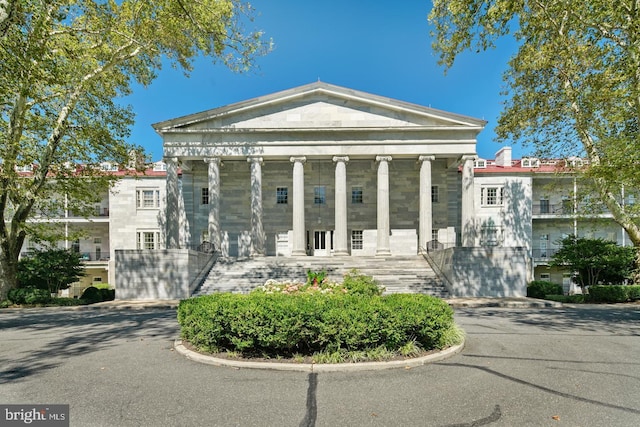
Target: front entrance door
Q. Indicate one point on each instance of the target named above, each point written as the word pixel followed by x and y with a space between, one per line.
pixel 321 243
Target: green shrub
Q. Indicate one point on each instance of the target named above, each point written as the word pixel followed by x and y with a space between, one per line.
pixel 305 324
pixel 569 299
pixel 609 293
pixel 66 302
pixel 634 292
pixel 541 288
pixel 93 295
pixel 361 284
pixel 29 296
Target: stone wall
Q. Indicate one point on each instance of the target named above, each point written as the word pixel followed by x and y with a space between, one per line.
pixel 161 274
pixel 484 272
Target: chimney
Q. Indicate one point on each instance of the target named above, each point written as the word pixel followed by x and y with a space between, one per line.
pixel 503 157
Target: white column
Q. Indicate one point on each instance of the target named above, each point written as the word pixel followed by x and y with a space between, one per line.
pixel 340 240
pixel 257 230
pixel 171 209
pixel 214 229
pixel 299 236
pixel 468 231
pixel 383 247
pixel 426 208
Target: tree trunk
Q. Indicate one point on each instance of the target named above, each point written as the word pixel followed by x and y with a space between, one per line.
pixel 8 273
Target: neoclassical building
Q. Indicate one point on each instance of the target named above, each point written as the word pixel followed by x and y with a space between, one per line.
pixel 320 170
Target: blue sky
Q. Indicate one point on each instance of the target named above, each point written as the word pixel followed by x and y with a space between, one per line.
pixel 378 47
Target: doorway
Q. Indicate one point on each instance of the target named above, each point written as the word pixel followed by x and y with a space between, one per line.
pixel 321 243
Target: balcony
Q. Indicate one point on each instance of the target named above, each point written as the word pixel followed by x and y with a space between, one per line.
pixel 543 256
pixel 558 209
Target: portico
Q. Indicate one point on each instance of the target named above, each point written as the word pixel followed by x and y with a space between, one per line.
pixel 319 170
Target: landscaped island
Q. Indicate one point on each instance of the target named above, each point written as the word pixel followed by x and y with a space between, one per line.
pixel 328 322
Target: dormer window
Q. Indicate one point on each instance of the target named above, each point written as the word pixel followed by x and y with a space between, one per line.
pixel 159 167
pixel 530 163
pixel 24 168
pixel 480 164
pixel 108 167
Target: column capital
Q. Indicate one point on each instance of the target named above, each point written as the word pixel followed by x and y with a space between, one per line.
pixel 466 157
pixel 383 158
pixel 344 159
pixel 429 158
pixel 172 159
pixel 300 159
pixel 256 159
pixel 217 160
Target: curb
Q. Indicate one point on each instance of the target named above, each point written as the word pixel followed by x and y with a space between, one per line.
pixel 314 367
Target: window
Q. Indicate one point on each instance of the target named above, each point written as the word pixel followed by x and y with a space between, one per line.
pixel 108 167
pixel 434 194
pixel 356 195
pixel 282 195
pixel 434 234
pixel 148 240
pixel 24 168
pixel 147 198
pixel 97 240
pixel 356 239
pixel 97 279
pixel 530 163
pixel 544 205
pixel 319 195
pixel 479 164
pixel 159 166
pixel 492 196
pixel 204 196
pixel 545 276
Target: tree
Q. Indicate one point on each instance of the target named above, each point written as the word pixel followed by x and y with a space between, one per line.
pixel 596 261
pixel 63 66
pixel 52 269
pixel 574 83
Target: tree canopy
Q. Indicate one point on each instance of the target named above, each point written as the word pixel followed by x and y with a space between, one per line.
pixel 596 261
pixel 52 269
pixel 573 85
pixel 63 66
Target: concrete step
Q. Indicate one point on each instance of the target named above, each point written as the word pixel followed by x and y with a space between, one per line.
pixel 396 274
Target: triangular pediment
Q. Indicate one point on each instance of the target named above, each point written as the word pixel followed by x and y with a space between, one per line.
pixel 318 106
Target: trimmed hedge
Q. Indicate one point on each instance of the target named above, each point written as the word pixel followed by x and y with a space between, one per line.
pixel 303 324
pixel 542 288
pixel 29 295
pixel 93 295
pixel 614 293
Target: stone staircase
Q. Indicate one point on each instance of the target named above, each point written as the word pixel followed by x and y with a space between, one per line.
pixel 410 274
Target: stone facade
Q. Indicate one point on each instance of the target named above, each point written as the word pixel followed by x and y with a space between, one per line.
pixel 320 170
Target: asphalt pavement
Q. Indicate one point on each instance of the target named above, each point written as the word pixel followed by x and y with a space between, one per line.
pixel 528 366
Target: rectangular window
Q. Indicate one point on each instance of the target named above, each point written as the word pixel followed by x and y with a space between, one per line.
pixel 434 234
pixel 434 194
pixel 545 276
pixel 356 239
pixel 319 195
pixel 544 206
pixel 147 198
pixel 148 240
pixel 204 196
pixel 356 195
pixel 282 195
pixel 492 196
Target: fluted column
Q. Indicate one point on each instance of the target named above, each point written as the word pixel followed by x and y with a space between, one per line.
pixel 214 228
pixel 468 232
pixel 383 247
pixel 426 208
pixel 340 240
pixel 257 230
pixel 299 237
pixel 172 211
